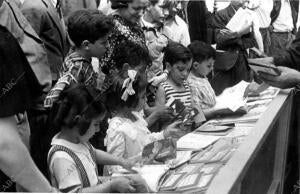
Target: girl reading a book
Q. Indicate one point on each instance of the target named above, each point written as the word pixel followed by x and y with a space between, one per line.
pixel 72 160
pixel 128 131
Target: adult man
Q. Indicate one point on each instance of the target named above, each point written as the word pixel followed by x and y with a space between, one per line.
pixel 45 17
pixel 234 67
pixel 15 160
pixel 283 25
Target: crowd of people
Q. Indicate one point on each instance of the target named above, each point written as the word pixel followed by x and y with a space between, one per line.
pixel 86 84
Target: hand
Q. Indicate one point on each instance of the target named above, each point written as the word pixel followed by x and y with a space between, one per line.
pixel 129 163
pixel 155 81
pixel 254 89
pixel 228 33
pixel 164 112
pixel 266 60
pixel 174 131
pixel 139 183
pixel 122 185
pixel 287 79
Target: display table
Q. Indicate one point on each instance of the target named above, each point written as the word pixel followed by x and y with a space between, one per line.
pixel 258 164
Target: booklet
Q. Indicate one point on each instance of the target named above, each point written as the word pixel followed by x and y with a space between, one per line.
pixel 259 66
pixel 160 150
pixel 195 141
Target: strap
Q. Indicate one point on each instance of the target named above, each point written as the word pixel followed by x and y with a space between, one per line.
pixel 78 163
pixel 93 154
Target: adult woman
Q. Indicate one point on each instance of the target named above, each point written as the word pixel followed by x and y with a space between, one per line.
pixel 126 27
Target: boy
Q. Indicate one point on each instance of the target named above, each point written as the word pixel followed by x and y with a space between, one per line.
pixel 203 94
pixel 88 29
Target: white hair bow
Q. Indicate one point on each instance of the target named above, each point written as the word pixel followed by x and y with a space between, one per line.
pixel 129 91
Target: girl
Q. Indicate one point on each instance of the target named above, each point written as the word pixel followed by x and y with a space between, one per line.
pixel 128 133
pixel 72 160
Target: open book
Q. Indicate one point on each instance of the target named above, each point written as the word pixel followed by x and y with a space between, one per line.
pixel 232 98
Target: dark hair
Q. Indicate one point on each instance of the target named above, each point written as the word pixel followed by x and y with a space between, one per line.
pixel 114 92
pixel 118 4
pixel 131 53
pixel 77 99
pixel 175 52
pixel 153 2
pixel 201 51
pixel 88 25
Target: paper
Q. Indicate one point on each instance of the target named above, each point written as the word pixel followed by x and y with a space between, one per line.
pixel 150 173
pixel 232 98
pixel 182 157
pixel 242 19
pixel 193 141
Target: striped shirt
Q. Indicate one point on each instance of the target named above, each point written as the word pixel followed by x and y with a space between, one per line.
pixel 184 96
pixel 75 69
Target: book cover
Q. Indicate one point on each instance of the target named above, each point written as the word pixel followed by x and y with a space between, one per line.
pixel 161 151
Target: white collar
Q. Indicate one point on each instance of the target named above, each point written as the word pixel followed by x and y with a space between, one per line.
pixel 147 24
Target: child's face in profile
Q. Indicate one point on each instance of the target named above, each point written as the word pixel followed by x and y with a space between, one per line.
pixel 99 47
pixel 205 67
pixel 93 128
pixel 179 71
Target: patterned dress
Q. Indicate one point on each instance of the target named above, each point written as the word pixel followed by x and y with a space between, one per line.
pixel 122 30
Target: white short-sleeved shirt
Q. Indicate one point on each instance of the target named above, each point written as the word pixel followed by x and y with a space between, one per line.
pixel 179 29
pixel 71 176
pixel 126 138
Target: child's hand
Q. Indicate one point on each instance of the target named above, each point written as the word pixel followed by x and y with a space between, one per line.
pixel 129 163
pixel 164 112
pixel 122 185
pixel 155 81
pixel 174 131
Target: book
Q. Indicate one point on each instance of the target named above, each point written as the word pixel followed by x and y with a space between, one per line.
pixel 259 66
pixel 160 150
pixel 195 141
pixel 190 178
pixel 232 98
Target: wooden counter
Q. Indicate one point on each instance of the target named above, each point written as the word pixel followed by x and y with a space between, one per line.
pixel 258 165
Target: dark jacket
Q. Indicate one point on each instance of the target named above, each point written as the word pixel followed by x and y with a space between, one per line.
pixel 45 20
pixel 198 18
pixel 276 10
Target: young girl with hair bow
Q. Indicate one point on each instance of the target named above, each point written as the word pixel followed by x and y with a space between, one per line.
pixel 128 131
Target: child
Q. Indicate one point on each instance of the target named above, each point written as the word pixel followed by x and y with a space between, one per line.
pixel 177 60
pixel 88 29
pixel 72 160
pixel 128 133
pixel 202 93
pixel 129 55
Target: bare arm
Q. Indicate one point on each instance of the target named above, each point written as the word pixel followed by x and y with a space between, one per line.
pixel 160 99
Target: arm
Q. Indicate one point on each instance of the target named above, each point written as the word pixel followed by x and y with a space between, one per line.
pixel 257 34
pixel 160 99
pixel 68 179
pixel 15 160
pixel 287 79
